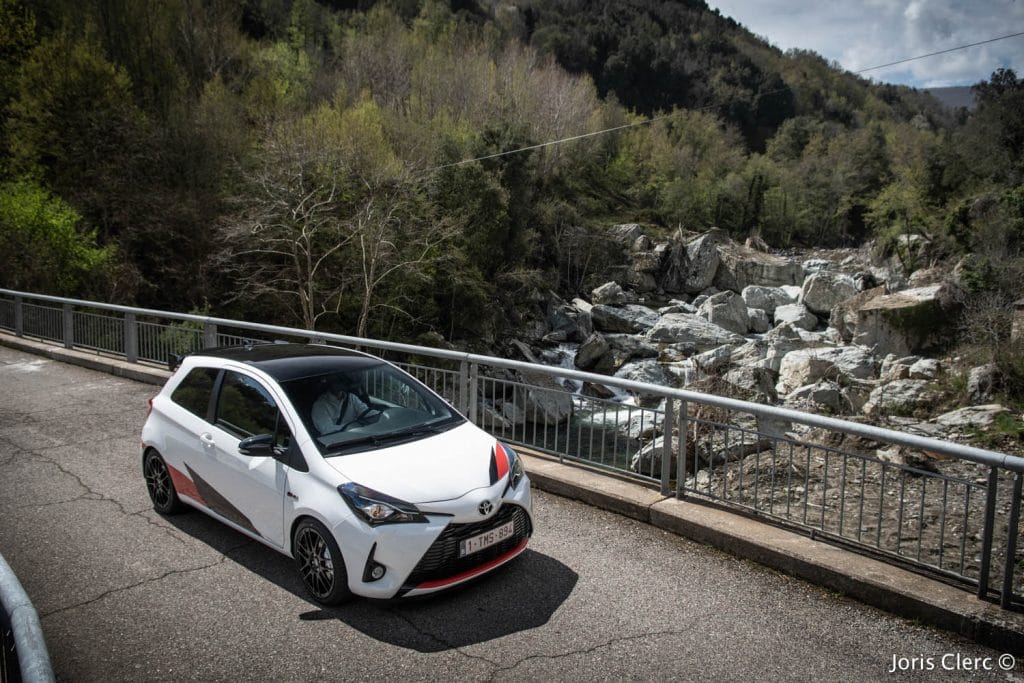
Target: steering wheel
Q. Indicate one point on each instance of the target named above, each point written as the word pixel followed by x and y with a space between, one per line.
pixel 358 419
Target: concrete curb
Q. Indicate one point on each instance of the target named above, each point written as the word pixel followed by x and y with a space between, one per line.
pixel 901 592
pixel 867 580
pixel 94 361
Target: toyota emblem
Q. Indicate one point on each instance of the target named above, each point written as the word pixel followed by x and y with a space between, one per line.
pixel 485 508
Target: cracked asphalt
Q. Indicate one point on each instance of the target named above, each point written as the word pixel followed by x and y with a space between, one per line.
pixel 125 594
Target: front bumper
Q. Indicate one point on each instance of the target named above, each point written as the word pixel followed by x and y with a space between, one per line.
pixel 424 558
pixel 441 567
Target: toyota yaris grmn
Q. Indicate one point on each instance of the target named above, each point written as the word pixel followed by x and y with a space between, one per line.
pixel 372 482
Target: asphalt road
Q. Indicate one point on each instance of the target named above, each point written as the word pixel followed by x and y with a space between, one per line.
pixel 125 594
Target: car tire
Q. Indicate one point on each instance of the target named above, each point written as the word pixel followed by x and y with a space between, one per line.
pixel 321 566
pixel 160 485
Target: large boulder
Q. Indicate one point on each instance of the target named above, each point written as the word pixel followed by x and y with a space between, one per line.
pixel 593 354
pixel 740 266
pixel 758 382
pixel 676 328
pixel 907 322
pixel 844 314
pixel 609 294
pixel 972 416
pixel 901 397
pixel 675 267
pixel 644 268
pixel 626 233
pixel 627 347
pixel 545 400
pixel 769 351
pixel 824 396
pixel 727 310
pixel 702 260
pixel 807 366
pixel 631 319
pixel 759 319
pixel 564 323
pixel 797 316
pixel 982 382
pixel 824 289
pixel 766 298
pixel 645 371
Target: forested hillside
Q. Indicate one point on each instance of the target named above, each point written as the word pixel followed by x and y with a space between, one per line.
pixel 304 162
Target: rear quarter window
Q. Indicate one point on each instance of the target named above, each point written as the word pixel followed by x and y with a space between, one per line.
pixel 193 394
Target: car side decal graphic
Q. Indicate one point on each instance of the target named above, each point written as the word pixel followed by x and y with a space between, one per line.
pixel 499 463
pixel 183 485
pixel 219 504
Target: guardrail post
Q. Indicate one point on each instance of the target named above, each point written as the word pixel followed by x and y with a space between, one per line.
pixel 69 327
pixel 474 379
pixel 666 447
pixel 19 317
pixel 464 388
pixel 1006 598
pixel 684 427
pixel 986 534
pixel 209 335
pixel 131 338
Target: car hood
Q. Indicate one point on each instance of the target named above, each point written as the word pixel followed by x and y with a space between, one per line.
pixel 440 467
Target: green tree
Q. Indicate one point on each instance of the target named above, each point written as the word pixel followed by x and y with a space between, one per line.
pixel 43 247
pixel 73 125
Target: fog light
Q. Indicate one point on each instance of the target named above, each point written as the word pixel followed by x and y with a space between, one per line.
pixel 373 570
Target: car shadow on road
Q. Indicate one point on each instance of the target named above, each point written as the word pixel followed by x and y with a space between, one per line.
pixel 520 596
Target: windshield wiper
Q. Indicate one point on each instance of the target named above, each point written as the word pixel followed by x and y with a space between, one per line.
pixel 341 445
pixel 379 440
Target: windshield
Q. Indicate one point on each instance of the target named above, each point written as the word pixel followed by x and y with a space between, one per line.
pixel 367 407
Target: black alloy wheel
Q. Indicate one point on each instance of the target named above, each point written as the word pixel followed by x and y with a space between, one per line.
pixel 159 484
pixel 320 563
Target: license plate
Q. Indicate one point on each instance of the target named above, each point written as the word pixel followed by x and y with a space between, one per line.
pixel 487 539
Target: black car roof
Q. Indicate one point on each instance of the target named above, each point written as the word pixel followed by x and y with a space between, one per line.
pixel 286 362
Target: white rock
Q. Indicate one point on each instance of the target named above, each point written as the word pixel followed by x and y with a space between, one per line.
pixel 926 368
pixel 807 366
pixel 796 315
pixel 900 397
pixel 825 289
pixel 972 416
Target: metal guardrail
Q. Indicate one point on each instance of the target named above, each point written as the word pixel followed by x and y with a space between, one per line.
pixel 953 513
pixel 24 656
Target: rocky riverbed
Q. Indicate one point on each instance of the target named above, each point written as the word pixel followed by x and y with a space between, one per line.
pixel 832 333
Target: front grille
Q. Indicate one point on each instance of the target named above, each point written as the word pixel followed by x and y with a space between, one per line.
pixel 442 559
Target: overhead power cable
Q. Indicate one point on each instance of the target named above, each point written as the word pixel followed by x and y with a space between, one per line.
pixel 940 52
pixel 716 105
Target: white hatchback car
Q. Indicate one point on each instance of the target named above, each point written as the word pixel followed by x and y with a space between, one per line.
pixel 372 482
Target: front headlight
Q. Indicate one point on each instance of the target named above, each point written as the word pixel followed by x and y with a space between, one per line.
pixel 515 468
pixel 376 508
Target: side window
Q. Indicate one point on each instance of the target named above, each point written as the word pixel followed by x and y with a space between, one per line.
pixel 193 394
pixel 245 408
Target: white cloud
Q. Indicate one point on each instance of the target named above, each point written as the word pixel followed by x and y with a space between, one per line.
pixel 868 33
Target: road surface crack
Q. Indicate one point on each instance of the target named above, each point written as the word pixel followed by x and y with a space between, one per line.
pixel 155 579
pixel 592 649
pixel 91 494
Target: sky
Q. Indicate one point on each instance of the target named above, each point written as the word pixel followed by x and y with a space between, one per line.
pixel 859 34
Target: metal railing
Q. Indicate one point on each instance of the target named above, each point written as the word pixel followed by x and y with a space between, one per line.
pixel 23 656
pixel 947 509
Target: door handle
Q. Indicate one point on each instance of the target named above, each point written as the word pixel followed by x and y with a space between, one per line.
pixel 207 439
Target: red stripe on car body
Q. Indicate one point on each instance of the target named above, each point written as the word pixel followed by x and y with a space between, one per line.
pixel 184 486
pixel 501 457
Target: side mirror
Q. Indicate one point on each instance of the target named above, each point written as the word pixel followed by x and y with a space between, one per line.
pixel 259 446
